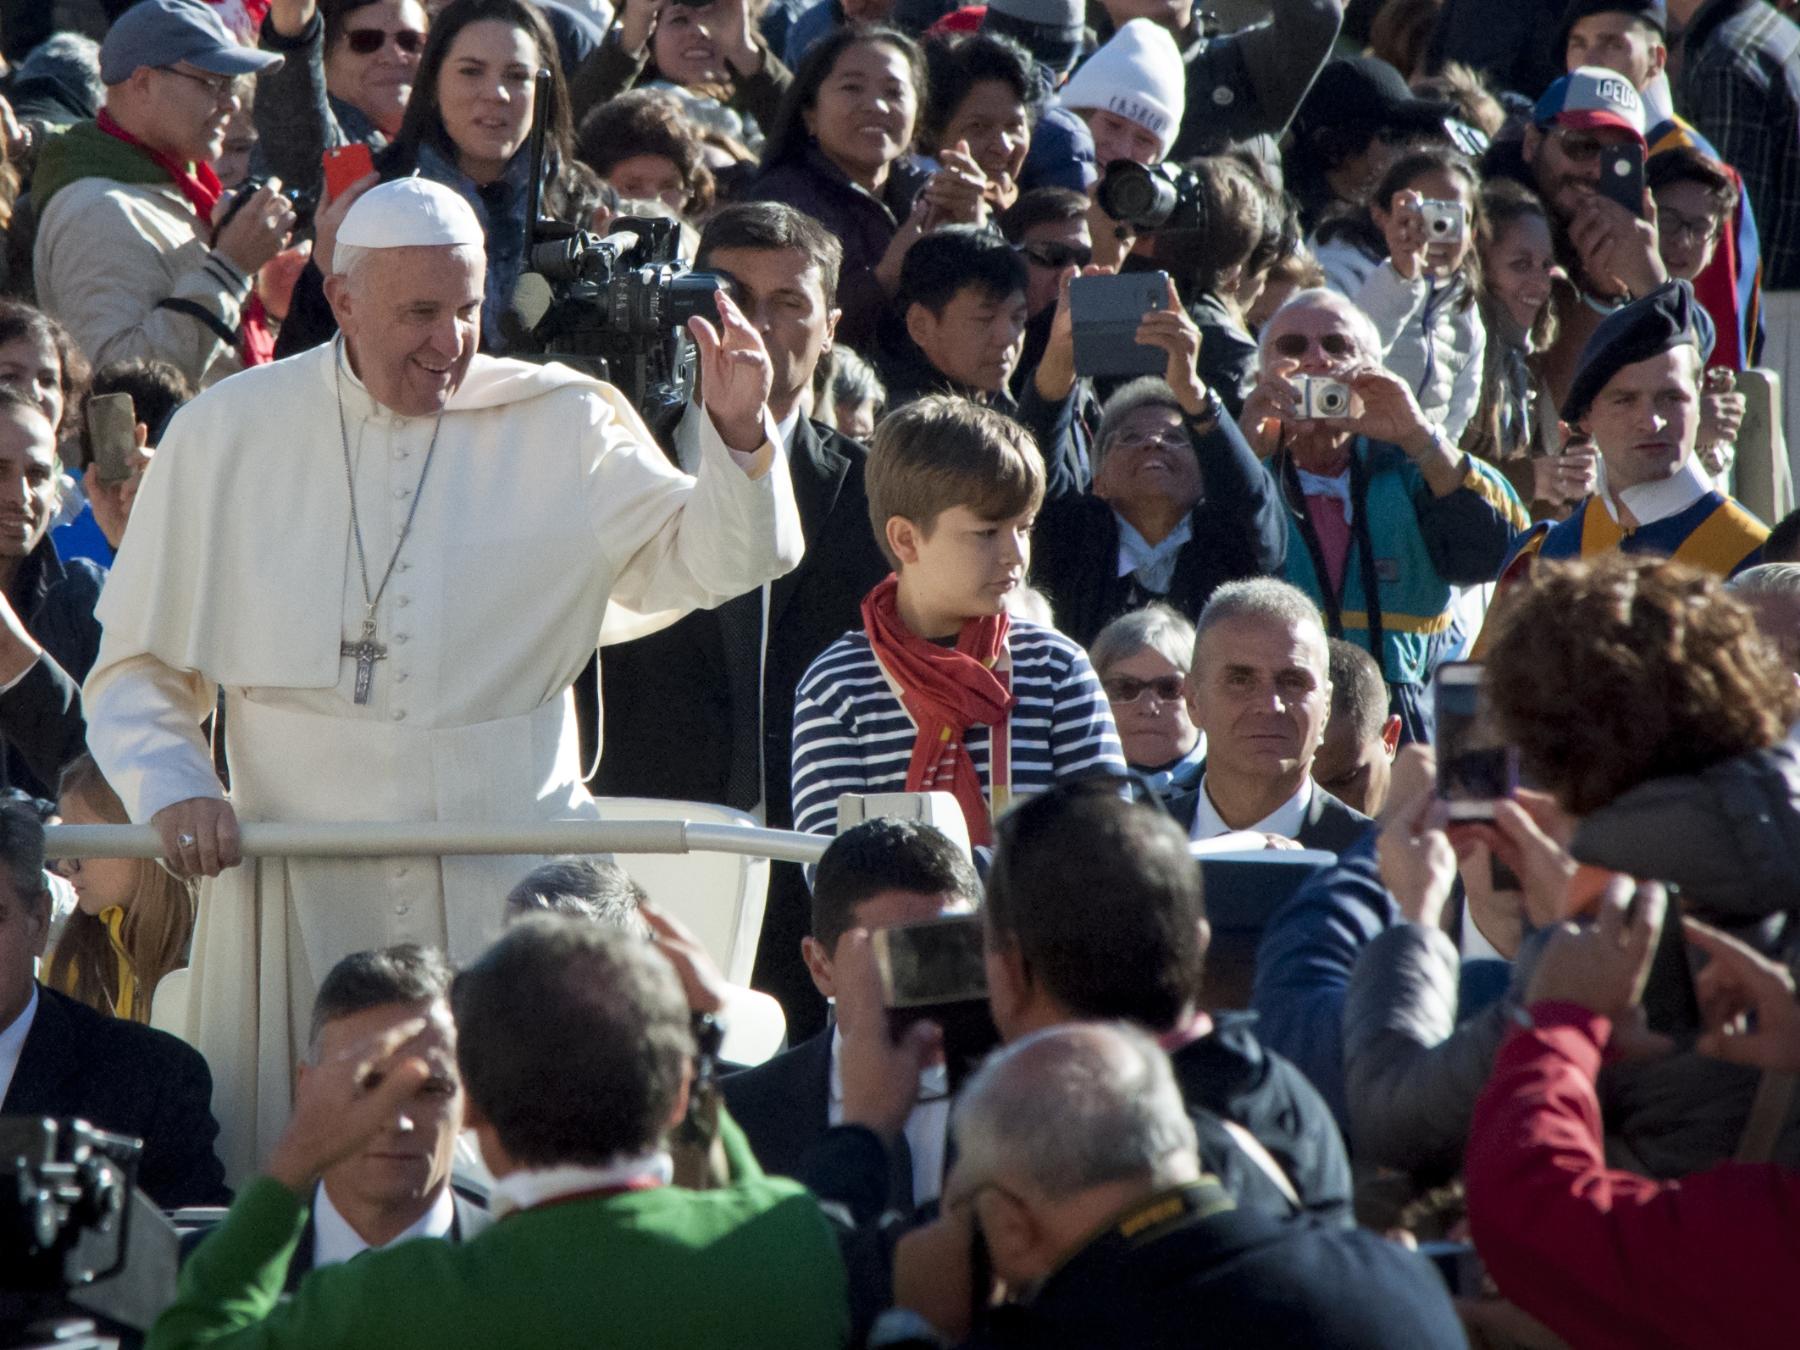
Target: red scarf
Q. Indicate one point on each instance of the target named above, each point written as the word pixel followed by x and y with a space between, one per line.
pixel 946 691
pixel 201 186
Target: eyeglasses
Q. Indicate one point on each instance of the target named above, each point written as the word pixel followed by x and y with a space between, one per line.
pixel 1296 345
pixel 1124 689
pixel 1578 147
pixel 1171 438
pixel 368 41
pixel 1057 256
pixel 1701 229
pixel 219 86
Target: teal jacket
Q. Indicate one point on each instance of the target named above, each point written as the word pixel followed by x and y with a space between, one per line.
pixel 1418 545
pixel 751 1265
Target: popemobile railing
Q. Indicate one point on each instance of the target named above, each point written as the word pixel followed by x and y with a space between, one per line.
pixel 454 838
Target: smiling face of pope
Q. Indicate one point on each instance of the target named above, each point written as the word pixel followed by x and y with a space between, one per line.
pixel 411 319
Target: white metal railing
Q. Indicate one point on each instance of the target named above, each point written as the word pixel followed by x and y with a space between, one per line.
pixel 424 838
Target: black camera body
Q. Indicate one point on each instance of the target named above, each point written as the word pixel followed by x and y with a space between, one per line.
pixel 305 202
pixel 1165 197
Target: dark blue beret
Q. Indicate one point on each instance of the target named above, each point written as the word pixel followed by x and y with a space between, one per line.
pixel 1655 323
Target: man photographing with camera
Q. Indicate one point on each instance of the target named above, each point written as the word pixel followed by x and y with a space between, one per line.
pixel 396 636
pixel 1384 514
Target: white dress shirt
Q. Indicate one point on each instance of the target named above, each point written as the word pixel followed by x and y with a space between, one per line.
pixel 335 1241
pixel 926 1127
pixel 1285 820
pixel 12 1044
pixel 531 1187
pixel 1154 564
pixel 1651 502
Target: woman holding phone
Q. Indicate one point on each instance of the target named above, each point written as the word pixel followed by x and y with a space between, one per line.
pixel 467 126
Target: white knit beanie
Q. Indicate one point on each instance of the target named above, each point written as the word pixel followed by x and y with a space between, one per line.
pixel 1138 75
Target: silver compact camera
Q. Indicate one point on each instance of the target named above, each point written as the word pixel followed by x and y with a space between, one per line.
pixel 1322 398
pixel 1445 222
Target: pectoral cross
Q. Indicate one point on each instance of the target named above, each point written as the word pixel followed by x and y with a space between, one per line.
pixel 366 651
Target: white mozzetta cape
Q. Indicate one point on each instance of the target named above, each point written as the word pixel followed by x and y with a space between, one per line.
pixel 548 515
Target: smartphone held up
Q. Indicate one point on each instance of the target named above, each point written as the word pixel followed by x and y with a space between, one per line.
pixel 936 971
pixel 1475 770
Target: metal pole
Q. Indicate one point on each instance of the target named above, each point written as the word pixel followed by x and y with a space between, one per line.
pixel 429 838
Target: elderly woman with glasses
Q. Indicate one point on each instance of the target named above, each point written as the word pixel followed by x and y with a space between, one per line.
pixel 1142 660
pixel 1178 505
pixel 1384 515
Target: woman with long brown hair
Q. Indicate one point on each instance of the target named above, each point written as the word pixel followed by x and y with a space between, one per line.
pixel 133 918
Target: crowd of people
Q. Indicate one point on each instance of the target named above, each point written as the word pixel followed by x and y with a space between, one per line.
pixel 1140 422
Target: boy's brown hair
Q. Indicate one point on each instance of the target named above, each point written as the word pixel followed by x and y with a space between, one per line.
pixel 943 452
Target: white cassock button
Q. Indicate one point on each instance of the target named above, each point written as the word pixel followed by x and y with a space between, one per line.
pixel 399 714
pixel 404 601
pixel 400 637
pixel 402 678
pixel 403 909
pixel 400 493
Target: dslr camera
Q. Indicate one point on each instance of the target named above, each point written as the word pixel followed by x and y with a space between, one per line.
pixel 1167 196
pixel 1322 398
pixel 1445 222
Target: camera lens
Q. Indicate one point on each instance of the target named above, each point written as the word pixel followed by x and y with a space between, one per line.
pixel 1134 195
pixel 1333 402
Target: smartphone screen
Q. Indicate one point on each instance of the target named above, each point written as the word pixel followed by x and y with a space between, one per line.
pixel 936 971
pixel 1474 770
pixel 1622 176
pixel 112 435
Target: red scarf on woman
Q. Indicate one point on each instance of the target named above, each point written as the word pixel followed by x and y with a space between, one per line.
pixel 201 186
pixel 946 691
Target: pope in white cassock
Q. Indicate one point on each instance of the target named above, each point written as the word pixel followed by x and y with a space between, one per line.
pixel 394 555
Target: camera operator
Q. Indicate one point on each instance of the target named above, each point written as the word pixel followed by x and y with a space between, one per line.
pixel 1384 515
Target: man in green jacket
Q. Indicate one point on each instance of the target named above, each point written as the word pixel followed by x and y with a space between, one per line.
pixel 575 1053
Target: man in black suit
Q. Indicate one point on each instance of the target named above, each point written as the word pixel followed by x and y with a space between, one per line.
pixel 398 1185
pixel 876 875
pixel 61 1058
pixel 687 716
pixel 1260 691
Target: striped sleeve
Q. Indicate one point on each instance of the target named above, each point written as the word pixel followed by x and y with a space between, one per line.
pixel 1083 739
pixel 848 729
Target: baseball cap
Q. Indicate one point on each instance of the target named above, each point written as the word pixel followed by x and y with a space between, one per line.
pixel 162 32
pixel 1591 96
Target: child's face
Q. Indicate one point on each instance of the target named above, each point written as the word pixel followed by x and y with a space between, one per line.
pixel 1520 268
pixel 1438 186
pixel 964 568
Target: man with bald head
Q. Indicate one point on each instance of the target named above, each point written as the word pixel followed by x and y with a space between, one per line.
pixel 1077 1161
pixel 1384 515
pixel 394 554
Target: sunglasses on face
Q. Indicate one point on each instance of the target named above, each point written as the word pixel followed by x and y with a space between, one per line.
pixel 368 41
pixel 1057 256
pixel 1579 148
pixel 1297 345
pixel 1124 689
pixel 1171 439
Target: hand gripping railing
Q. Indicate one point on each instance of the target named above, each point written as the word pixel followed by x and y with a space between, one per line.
pixel 424 838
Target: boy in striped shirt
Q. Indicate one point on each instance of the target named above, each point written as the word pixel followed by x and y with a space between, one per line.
pixel 942 689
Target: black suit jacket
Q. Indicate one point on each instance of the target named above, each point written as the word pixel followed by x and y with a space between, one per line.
pixel 1329 824
pixel 129 1079
pixel 470 1220
pixel 783 1106
pixel 667 697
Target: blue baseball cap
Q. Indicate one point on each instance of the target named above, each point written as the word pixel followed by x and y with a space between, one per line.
pixel 162 32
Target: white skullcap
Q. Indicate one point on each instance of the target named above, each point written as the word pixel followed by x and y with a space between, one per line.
pixel 411 213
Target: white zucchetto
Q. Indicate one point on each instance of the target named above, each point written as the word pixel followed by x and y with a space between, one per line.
pixel 411 213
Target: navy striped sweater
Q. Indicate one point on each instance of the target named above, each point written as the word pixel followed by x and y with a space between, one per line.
pixel 852 735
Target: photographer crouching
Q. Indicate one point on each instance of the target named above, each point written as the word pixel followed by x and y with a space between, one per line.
pixel 1384 515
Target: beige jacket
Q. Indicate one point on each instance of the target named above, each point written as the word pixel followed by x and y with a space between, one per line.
pixel 125 268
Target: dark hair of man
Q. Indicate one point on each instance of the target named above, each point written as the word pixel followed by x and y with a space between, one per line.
pixel 20 320
pixel 941 452
pixel 1040 206
pixel 1359 696
pixel 948 261
pixel 647 122
pixel 597 890
pixel 1684 164
pixel 22 851
pixel 885 855
pixel 573 1039
pixel 788 138
pixel 1607 674
pixel 423 124
pixel 1235 202
pixel 774 225
pixel 157 390
pixel 337 12
pixel 1783 543
pixel 407 973
pixel 954 66
pixel 1102 902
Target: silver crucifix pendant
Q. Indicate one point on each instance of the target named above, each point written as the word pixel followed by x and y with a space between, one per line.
pixel 366 651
